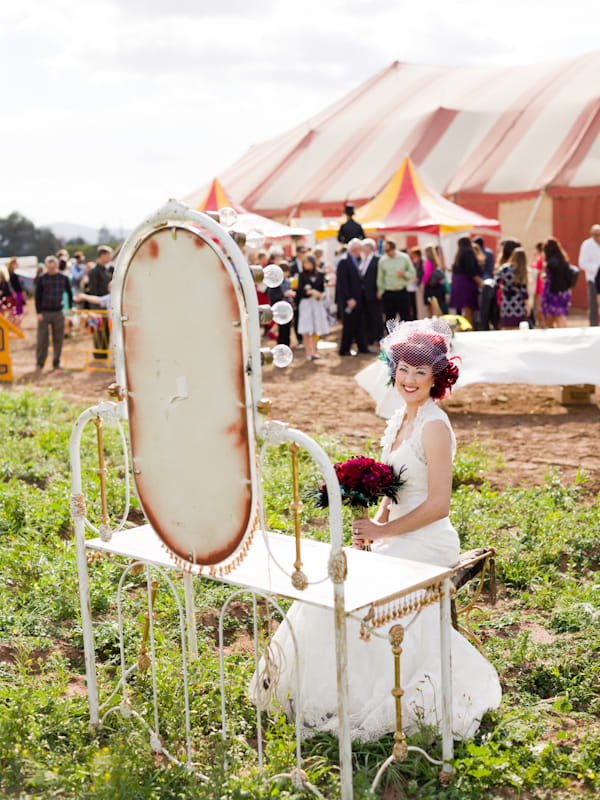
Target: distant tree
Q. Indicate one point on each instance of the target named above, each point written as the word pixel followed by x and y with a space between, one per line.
pixel 88 250
pixel 91 250
pixel 46 243
pixel 20 237
pixel 77 241
pixel 17 235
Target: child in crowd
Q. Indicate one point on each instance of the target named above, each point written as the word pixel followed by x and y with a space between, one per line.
pixel 312 317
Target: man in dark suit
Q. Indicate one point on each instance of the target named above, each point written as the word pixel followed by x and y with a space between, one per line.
pixel 372 305
pixel 349 300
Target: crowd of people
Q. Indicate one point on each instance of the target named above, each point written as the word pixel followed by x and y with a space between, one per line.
pixel 61 286
pixel 372 282
pixel 368 284
pixel 511 293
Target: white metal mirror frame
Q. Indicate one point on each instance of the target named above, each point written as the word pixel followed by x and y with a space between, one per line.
pixel 273 433
pixel 175 212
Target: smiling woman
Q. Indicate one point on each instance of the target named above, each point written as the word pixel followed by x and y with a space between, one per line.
pixel 415 527
pixel 419 366
pixel 413 383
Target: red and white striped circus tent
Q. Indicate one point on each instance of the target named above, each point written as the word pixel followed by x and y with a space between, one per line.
pixel 520 144
pixel 217 198
pixel 407 204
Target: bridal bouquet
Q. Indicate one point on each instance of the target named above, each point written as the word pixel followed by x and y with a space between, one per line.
pixel 363 482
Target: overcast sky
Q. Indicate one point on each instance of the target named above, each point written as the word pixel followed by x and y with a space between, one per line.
pixel 113 106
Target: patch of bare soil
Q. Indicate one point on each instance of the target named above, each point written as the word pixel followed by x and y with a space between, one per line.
pixel 236 639
pixel 35 658
pixel 526 426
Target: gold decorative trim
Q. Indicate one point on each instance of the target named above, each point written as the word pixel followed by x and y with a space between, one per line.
pixel 400 749
pixel 337 567
pixel 487 558
pixel 102 470
pixel 78 509
pixel 212 570
pixel 92 556
pixel 366 627
pixel 105 532
pixel 264 406
pixel 116 391
pixel 299 579
pixel 445 777
pixel 384 611
pixel 266 355
pixel 143 660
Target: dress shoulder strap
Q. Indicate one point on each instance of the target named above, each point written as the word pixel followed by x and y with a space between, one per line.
pixel 429 412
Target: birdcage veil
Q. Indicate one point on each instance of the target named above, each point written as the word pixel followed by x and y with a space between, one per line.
pixel 420 342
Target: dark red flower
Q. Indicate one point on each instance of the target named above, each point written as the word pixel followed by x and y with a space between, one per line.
pixel 363 482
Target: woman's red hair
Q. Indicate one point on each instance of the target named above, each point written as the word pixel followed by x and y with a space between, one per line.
pixel 444 380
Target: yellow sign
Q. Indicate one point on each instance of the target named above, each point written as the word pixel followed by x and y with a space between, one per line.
pixel 6 328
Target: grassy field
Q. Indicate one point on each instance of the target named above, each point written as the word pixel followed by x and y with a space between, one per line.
pixel 543 636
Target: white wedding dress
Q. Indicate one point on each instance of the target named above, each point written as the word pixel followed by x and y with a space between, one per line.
pixel 476 687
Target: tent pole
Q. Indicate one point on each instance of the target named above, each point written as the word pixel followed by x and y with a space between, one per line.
pixel 534 210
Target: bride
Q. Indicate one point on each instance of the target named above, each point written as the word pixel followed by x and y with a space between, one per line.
pixel 419 436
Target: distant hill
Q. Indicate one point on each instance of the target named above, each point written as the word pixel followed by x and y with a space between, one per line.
pixel 69 230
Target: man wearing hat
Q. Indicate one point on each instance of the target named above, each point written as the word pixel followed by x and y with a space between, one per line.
pixel 350 229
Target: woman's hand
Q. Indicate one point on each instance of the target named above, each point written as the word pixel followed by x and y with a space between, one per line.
pixel 365 531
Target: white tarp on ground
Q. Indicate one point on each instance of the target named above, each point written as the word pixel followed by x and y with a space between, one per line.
pixel 551 357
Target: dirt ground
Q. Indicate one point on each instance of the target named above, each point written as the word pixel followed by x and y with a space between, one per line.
pixel 526 425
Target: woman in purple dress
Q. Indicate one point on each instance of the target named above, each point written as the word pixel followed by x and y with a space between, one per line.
pixel 466 280
pixel 17 289
pixel 556 294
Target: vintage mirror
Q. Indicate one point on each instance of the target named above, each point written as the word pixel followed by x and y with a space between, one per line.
pixel 183 318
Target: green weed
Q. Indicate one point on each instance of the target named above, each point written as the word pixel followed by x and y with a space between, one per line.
pixel 543 637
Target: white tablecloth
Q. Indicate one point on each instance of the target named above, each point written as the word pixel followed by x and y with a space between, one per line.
pixel 551 357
